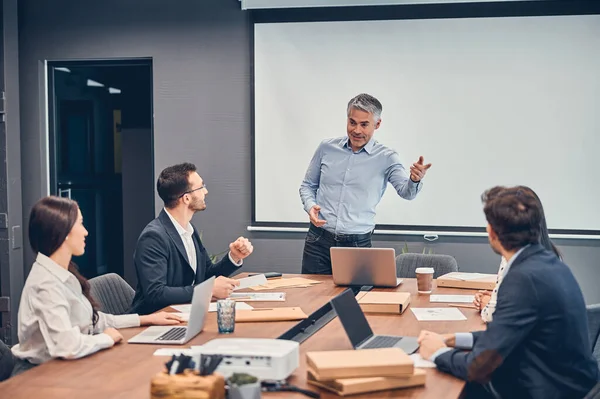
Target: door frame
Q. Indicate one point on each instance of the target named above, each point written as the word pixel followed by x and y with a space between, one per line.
pixel 52 119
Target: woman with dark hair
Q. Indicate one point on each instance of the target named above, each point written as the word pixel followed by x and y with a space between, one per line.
pixel 57 316
pixel 485 301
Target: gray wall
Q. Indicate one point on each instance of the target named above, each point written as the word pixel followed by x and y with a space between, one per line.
pixel 11 247
pixel 202 108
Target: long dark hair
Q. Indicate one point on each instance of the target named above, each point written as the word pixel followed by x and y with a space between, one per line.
pixel 50 222
pixel 544 234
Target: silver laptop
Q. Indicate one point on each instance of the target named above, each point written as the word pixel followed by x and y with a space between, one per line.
pixel 181 334
pixel 359 331
pixel 364 266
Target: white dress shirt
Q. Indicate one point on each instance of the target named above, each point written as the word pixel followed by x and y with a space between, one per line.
pixel 55 318
pixel 188 242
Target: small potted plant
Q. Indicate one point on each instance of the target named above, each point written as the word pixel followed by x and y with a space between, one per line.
pixel 243 386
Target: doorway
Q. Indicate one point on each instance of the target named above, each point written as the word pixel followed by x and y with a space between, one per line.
pixel 101 154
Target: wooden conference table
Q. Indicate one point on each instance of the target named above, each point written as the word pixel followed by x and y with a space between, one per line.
pixel 124 371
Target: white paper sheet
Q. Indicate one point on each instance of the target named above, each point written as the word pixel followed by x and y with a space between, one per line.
pixel 182 308
pixel 175 351
pixel 468 276
pixel 238 306
pixel 421 363
pixel 438 314
pixel 259 296
pixel 253 281
pixel 452 298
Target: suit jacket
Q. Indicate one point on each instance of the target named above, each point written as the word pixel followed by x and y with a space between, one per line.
pixel 164 274
pixel 537 345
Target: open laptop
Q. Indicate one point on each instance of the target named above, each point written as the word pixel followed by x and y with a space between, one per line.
pixel 358 330
pixel 364 266
pixel 181 334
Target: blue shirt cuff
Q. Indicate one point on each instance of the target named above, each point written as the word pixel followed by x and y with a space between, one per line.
pixel 439 352
pixel 463 341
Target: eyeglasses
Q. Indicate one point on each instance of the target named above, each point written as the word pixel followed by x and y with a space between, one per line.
pixel 191 191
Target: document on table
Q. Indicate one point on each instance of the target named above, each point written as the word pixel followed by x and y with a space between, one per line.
pixel 213 308
pixel 248 282
pixel 452 298
pixel 420 362
pixel 182 308
pixel 258 296
pixel 238 306
pixel 468 276
pixel 438 314
pixel 174 351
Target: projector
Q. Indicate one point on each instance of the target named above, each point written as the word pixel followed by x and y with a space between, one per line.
pixel 266 359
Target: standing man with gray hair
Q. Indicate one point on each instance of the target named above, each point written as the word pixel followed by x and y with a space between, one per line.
pixel 345 181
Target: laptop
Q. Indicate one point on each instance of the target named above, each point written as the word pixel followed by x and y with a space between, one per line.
pixel 181 334
pixel 359 331
pixel 364 266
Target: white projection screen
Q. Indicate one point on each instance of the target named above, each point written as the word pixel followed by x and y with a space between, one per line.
pixel 488 101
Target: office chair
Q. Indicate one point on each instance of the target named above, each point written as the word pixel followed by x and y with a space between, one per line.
pixel 593 314
pixel 7 361
pixel 406 264
pixel 113 294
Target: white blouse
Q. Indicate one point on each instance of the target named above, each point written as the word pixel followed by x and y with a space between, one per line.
pixel 55 318
pixel 488 311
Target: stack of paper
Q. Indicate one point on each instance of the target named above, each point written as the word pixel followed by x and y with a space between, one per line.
pixel 452 298
pixel 438 314
pixel 248 282
pixel 468 276
pixel 294 282
pixel 258 296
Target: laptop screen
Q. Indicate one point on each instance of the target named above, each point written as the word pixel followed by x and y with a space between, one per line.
pixel 352 317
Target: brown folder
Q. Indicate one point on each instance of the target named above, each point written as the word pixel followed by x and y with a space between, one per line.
pixel 486 282
pixel 331 365
pixel 352 386
pixel 383 302
pixel 269 314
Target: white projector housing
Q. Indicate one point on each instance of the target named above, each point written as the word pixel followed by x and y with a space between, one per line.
pixel 266 359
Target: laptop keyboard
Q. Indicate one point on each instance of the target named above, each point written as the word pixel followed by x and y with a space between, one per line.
pixel 173 334
pixel 382 341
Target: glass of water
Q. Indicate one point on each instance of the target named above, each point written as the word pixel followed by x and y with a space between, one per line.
pixel 226 316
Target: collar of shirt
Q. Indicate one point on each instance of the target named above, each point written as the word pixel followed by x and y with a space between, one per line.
pixel 60 272
pixel 368 147
pixel 188 231
pixel 512 260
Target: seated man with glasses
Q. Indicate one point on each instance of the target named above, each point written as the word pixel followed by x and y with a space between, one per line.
pixel 169 257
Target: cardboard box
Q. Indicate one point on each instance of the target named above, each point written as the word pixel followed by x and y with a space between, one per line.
pixel 383 302
pixel 352 386
pixel 380 362
pixel 486 282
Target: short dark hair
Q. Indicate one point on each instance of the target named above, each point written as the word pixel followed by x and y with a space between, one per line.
pixel 173 182
pixel 515 215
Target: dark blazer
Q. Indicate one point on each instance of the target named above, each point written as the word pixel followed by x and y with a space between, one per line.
pixel 537 345
pixel 164 274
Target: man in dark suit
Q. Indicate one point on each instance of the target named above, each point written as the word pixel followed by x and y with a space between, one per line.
pixel 537 345
pixel 169 257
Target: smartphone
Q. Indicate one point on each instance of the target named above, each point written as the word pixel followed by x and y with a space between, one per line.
pixel 268 274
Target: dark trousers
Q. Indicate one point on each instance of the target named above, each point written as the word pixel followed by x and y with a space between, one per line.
pixel 316 258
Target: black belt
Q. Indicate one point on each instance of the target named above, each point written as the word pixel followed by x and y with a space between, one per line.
pixel 341 237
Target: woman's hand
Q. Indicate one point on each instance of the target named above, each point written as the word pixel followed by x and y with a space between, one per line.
pixel 160 319
pixel 114 334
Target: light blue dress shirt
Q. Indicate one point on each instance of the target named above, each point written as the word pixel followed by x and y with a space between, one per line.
pixel 465 340
pixel 348 185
